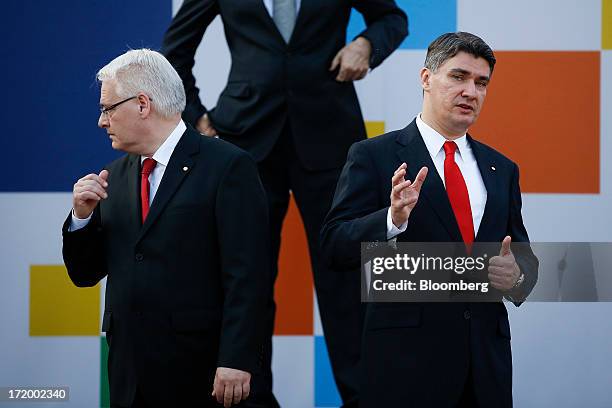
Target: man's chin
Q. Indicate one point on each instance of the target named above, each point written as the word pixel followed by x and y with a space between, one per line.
pixel 465 121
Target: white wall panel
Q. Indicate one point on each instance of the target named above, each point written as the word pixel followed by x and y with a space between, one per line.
pixel 533 24
pixel 293 366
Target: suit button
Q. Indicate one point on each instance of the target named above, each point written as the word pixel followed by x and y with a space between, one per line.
pixel 467 315
pixel 139 257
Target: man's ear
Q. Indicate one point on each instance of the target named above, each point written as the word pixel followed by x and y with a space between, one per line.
pixel 144 104
pixel 425 78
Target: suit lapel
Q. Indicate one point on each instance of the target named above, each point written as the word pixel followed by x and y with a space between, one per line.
pixel 488 170
pixel 267 17
pixel 181 163
pixel 133 188
pixel 415 155
pixel 300 19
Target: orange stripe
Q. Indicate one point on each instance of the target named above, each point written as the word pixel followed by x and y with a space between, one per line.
pixel 294 285
pixel 542 110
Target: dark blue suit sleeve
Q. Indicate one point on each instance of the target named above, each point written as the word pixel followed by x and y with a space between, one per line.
pixel 83 251
pixel 243 236
pixel 387 26
pixel 525 258
pixel 180 44
pixel 356 215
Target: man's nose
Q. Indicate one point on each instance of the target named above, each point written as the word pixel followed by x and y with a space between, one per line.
pixel 102 121
pixel 470 89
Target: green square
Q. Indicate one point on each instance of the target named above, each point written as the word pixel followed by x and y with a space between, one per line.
pixel 104 388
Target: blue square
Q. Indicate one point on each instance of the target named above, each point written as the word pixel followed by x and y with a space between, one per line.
pixel 427 19
pixel 326 393
pixel 50 136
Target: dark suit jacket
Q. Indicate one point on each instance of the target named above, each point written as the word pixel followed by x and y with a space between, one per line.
pixel 185 290
pixel 271 81
pixel 426 349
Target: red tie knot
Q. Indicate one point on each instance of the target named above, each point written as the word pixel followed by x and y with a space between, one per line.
pixel 450 148
pixel 147 166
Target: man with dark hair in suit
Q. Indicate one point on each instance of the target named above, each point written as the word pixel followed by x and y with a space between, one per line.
pixel 291 103
pixel 178 226
pixel 458 190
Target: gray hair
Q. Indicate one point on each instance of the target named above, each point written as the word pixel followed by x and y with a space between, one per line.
pixel 448 45
pixel 148 72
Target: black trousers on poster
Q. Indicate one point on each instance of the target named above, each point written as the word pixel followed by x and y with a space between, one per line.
pixel 338 292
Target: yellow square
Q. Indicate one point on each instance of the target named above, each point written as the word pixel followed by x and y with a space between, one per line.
pixel 606 24
pixel 58 308
pixel 374 128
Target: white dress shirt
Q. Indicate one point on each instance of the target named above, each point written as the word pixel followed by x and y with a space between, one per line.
pixel 270 6
pixel 464 157
pixel 161 156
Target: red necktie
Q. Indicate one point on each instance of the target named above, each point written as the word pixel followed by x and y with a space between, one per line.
pixel 458 194
pixel 147 167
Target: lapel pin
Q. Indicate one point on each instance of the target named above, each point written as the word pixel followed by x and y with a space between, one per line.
pixel 185 168
pixel 493 168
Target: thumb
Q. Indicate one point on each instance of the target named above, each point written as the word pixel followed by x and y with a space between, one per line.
pixel 505 246
pixel 103 174
pixel 335 61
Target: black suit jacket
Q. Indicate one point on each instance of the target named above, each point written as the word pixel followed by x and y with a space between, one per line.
pixel 426 350
pixel 185 291
pixel 271 81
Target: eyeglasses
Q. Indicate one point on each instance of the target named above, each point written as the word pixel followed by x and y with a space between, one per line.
pixel 105 111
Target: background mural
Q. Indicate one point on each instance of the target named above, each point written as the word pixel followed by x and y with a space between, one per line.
pixel 548 108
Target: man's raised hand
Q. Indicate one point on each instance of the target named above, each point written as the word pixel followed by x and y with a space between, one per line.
pixel 404 194
pixel 503 269
pixel 87 192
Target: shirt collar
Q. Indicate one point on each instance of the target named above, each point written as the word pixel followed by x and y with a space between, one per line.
pixel 163 153
pixel 434 140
